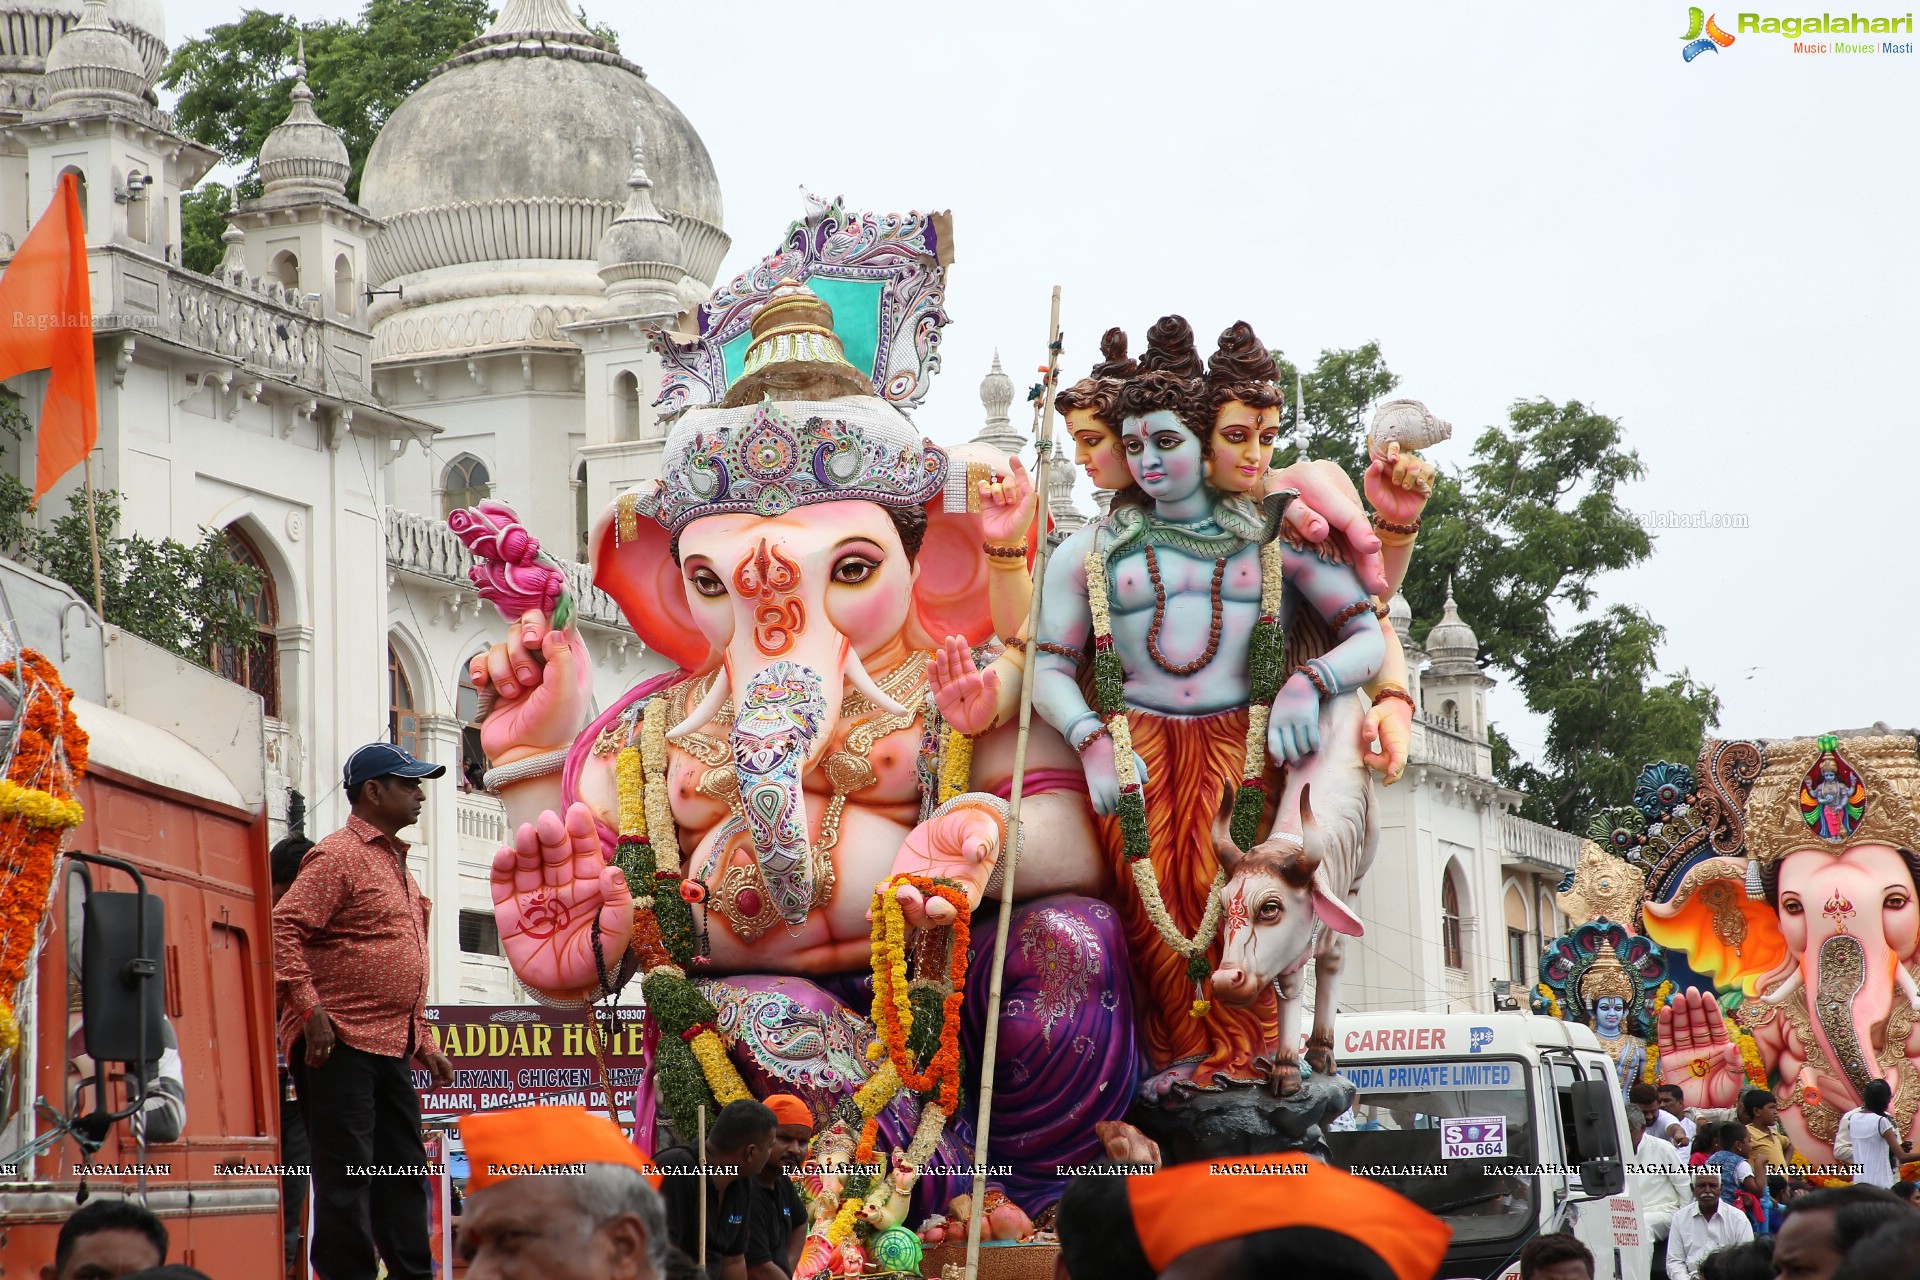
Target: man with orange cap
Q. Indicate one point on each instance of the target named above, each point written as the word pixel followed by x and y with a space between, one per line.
pixel 558 1194
pixel 1253 1216
pixel 779 1224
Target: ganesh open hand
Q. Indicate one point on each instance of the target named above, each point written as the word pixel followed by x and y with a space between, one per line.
pixel 1697 1055
pixel 967 696
pixel 1398 484
pixel 1007 506
pixel 541 686
pixel 1293 729
pixel 552 891
pixel 1386 735
pixel 963 845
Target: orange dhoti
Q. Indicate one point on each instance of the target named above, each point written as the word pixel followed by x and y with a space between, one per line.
pixel 1193 762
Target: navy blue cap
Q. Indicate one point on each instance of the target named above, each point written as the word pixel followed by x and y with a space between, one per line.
pixel 384 760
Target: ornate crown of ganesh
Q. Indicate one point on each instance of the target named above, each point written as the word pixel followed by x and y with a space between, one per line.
pixel 1833 793
pixel 765 456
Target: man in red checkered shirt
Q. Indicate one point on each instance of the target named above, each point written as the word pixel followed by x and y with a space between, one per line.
pixel 350 953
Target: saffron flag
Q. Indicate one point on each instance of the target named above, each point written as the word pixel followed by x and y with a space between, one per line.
pixel 46 322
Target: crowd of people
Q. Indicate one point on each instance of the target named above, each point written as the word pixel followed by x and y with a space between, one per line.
pixel 351 957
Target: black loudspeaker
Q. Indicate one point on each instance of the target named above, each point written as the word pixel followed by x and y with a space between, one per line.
pixel 121 986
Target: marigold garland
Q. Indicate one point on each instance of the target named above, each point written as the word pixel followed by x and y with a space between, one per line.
pixel 1249 801
pixel 893 1017
pixel 36 807
pixel 843 1221
pixel 956 763
pixel 1553 1001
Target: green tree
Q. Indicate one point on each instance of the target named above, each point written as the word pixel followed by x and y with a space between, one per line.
pixel 185 598
pixel 236 84
pixel 1523 530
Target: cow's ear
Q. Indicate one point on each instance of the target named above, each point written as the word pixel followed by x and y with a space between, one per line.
pixel 1332 911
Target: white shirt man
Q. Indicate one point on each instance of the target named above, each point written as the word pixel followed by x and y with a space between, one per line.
pixel 1657 1181
pixel 1703 1227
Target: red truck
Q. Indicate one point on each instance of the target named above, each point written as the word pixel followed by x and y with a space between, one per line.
pixel 175 788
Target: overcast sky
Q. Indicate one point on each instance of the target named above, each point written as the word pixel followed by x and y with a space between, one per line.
pixel 1514 199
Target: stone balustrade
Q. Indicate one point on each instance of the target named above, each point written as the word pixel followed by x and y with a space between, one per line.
pixel 1538 846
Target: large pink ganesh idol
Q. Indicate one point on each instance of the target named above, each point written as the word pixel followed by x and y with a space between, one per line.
pixel 802 555
pixel 1817 929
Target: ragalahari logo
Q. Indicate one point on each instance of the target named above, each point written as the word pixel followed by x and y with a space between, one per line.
pixel 1703 35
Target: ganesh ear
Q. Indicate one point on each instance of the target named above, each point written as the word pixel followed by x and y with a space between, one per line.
pixel 643 578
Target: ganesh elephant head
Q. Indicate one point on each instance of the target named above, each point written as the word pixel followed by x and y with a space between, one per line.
pixel 800 550
pixel 1824 908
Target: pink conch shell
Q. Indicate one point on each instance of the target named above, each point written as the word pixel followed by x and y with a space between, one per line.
pixel 508 570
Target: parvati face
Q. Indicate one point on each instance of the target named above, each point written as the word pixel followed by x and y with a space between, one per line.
pixel 1242 446
pixel 1163 456
pixel 1608 1011
pixel 1096 450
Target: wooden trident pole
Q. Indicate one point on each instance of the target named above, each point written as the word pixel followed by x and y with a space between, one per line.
pixel 1010 856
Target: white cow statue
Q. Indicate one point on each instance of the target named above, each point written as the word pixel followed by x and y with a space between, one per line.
pixel 1293 896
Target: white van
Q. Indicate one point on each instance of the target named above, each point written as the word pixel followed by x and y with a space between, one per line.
pixel 1506 1125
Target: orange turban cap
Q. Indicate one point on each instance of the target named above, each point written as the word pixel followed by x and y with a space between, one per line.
pixel 787 1109
pixel 529 1140
pixel 1185 1206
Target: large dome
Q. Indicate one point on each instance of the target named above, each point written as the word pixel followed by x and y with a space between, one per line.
pixel 517 150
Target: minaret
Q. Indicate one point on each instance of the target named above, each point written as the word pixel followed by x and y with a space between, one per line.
pixel 1454 689
pixel 996 397
pixel 302 230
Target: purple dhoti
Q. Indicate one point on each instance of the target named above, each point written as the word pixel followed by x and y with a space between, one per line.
pixel 1066 1057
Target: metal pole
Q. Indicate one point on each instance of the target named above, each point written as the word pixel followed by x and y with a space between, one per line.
pixel 1043 447
pixel 93 544
pixel 700 1149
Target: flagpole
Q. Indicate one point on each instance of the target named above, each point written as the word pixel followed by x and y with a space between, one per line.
pixel 1010 857
pixel 93 545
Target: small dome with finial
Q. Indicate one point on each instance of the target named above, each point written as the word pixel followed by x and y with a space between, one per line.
pixel 996 391
pixel 93 62
pixel 642 259
pixel 1400 617
pixel 1454 647
pixel 303 153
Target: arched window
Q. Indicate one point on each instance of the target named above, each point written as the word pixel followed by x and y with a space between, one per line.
pixel 465 484
pixel 286 268
pixel 473 756
pixel 626 407
pixel 403 720
pixel 1450 942
pixel 343 285
pixel 80 183
pixel 1450 714
pixel 257 666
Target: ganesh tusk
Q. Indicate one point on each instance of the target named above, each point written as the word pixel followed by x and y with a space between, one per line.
pixel 856 675
pixel 709 707
pixel 1904 977
pixel 1791 985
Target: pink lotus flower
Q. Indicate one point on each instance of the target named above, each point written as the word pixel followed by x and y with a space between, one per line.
pixel 508 570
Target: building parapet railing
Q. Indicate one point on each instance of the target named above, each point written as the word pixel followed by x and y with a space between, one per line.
pixel 481 817
pixel 425 546
pixel 1437 744
pixel 1529 842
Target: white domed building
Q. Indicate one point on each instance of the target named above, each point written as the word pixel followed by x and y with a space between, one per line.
pixel 474 327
